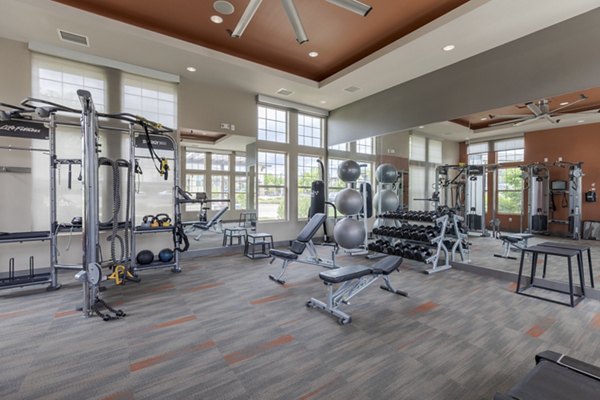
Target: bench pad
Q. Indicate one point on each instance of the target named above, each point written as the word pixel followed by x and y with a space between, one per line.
pixel 387 265
pixel 344 273
pixel 285 254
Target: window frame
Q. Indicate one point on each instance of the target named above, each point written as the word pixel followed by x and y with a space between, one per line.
pixel 499 191
pixel 283 186
pixel 276 121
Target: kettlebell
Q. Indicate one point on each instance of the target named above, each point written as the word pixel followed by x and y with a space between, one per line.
pixel 163 220
pixel 147 221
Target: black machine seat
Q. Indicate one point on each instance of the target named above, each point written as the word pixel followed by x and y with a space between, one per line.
pixel 387 265
pixel 311 228
pixel 285 254
pixel 557 377
pixel 511 239
pixel 345 273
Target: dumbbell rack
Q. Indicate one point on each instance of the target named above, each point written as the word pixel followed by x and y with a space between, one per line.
pixel 436 242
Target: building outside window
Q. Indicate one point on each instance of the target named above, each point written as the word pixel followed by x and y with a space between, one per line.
pixel 272 124
pixel 310 131
pixel 308 171
pixel 152 99
pixel 364 146
pixel 510 190
pixel 272 186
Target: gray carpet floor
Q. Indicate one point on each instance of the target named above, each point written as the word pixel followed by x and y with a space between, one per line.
pixel 222 330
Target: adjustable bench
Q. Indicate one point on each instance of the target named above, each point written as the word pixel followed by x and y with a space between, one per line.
pixel 354 279
pixel 301 243
pixel 556 377
pixel 205 226
pixel 517 241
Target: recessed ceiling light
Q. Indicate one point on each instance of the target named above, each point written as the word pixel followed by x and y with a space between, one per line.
pixel 216 19
pixel 421 127
pixel 448 47
pixel 191 69
pixel 483 119
pixel 223 7
pixel 323 102
pixel 313 54
pixel 580 121
pixel 564 103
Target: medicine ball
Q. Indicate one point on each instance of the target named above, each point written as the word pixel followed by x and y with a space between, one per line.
pixel 165 255
pixel 348 201
pixel 349 233
pixel 349 171
pixel 386 173
pixel 389 201
pixel 145 257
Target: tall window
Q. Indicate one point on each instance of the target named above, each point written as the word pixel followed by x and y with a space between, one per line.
pixel 57 80
pixel 241 189
pixel 418 148
pixel 511 150
pixel 478 153
pixel 152 99
pixel 272 186
pixel 434 151
pixel 364 146
pixel 416 177
pixel 425 156
pixel 195 175
pixel 219 162
pixel 272 124
pixel 510 186
pixel 309 131
pixel 219 185
pixel 366 171
pixel 334 184
pixel 240 163
pixel 308 171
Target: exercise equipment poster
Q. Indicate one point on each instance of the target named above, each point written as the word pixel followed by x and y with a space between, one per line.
pixel 24 129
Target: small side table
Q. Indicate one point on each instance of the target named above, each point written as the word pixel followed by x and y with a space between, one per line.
pixel 265 240
pixel 230 233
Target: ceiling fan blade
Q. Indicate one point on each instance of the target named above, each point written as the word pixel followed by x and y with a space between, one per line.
pixel 511 121
pixel 246 18
pixel 549 118
pixel 508 116
pixel 534 109
pixel 582 97
pixel 528 121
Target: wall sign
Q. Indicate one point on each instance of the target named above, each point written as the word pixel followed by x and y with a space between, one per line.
pixel 24 129
pixel 159 142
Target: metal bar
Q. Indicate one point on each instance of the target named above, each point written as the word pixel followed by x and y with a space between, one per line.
pixel 15 170
pixel 53 217
pixel 10 148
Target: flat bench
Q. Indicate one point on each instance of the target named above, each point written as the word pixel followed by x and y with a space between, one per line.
pixel 517 241
pixel 354 279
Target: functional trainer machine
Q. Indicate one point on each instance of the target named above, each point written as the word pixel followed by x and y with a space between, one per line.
pixel 354 279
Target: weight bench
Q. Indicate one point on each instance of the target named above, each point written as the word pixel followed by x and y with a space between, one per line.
pixel 556 377
pixel 354 279
pixel 205 226
pixel 518 241
pixel 301 243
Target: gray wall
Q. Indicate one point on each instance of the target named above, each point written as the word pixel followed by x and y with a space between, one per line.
pixel 15 71
pixel 560 59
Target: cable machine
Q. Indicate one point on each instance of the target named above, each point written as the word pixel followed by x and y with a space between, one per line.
pixel 536 178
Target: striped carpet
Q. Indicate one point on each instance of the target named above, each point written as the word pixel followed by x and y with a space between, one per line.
pixel 222 330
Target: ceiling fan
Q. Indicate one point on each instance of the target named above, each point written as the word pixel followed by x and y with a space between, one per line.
pixel 540 110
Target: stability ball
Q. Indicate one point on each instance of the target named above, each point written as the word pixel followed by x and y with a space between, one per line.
pixel 348 201
pixel 349 171
pixel 145 257
pixel 389 201
pixel 349 233
pixel 386 173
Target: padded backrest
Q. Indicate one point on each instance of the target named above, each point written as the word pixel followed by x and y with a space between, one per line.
pixel 183 193
pixel 297 247
pixel 311 227
pixel 218 215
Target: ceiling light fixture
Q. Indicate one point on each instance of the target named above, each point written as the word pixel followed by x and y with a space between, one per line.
pixel 323 102
pixel 483 119
pixel 313 54
pixel 564 103
pixel 191 69
pixel 290 9
pixel 223 7
pixel 216 19
pixel 421 127
pixel 581 121
pixel 292 13
pixel 449 47
pixel 246 18
pixel 353 5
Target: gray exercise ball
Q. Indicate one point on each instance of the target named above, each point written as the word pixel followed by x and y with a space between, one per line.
pixel 386 173
pixel 349 171
pixel 348 201
pixel 349 233
pixel 389 201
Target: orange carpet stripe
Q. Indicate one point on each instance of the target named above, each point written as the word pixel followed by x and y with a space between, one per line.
pixel 536 331
pixel 238 356
pixel 205 286
pixel 314 392
pixel 425 307
pixel 267 299
pixel 160 288
pixel 61 314
pixel 173 322
pixel 148 362
pixel 10 314
pixel 512 287
pixel 596 321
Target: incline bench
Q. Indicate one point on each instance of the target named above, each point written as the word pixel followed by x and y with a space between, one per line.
pixel 556 377
pixel 302 242
pixel 516 241
pixel 354 279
